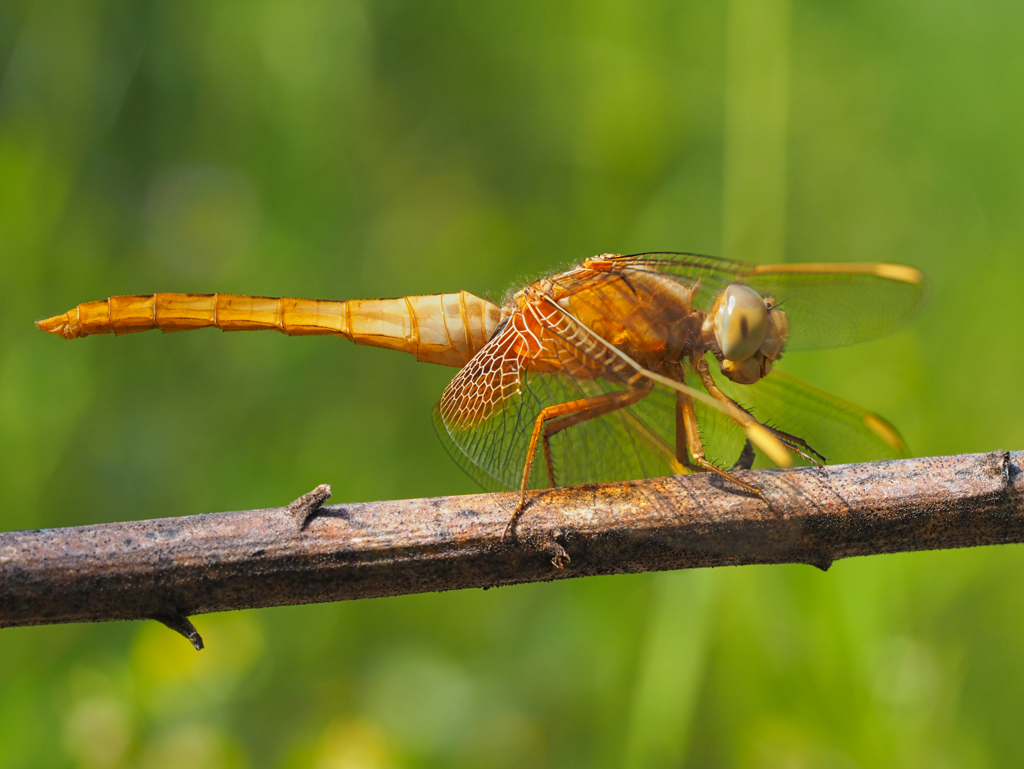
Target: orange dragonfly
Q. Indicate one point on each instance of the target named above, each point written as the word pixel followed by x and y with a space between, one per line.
pixel 625 367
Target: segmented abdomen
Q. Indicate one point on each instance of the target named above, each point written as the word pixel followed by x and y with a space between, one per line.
pixel 437 328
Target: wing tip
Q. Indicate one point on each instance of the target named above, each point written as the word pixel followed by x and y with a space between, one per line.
pixel 903 273
pixel 885 432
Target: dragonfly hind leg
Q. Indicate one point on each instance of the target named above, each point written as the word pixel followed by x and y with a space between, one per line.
pixel 553 419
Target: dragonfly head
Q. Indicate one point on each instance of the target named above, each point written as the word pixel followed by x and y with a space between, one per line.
pixel 749 331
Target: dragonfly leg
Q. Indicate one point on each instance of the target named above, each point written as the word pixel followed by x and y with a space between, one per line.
pixel 554 419
pixel 685 412
pixel 684 401
pixel 795 444
pixel 746 458
pixel 799 446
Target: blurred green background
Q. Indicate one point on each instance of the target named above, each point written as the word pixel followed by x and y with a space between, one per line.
pixel 344 149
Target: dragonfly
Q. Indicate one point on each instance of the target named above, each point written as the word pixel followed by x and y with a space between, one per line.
pixel 625 367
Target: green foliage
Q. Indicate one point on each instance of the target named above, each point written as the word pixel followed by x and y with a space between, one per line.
pixel 351 149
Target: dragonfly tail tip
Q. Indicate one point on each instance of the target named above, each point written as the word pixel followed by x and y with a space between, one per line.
pixel 58 325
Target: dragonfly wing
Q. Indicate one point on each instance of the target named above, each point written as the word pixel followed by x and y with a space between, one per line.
pixel 836 305
pixel 840 430
pixel 828 305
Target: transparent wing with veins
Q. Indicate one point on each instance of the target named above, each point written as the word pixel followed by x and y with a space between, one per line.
pixel 840 430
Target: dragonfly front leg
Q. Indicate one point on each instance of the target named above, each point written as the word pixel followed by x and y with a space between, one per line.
pixel 554 419
pixel 799 446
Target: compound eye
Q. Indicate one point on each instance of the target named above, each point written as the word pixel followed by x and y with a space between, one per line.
pixel 741 322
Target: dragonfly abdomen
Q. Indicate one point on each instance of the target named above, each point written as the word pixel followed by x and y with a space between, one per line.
pixel 438 328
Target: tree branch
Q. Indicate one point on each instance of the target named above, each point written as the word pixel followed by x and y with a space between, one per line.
pixel 170 568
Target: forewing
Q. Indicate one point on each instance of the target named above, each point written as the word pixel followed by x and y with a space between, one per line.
pixel 828 305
